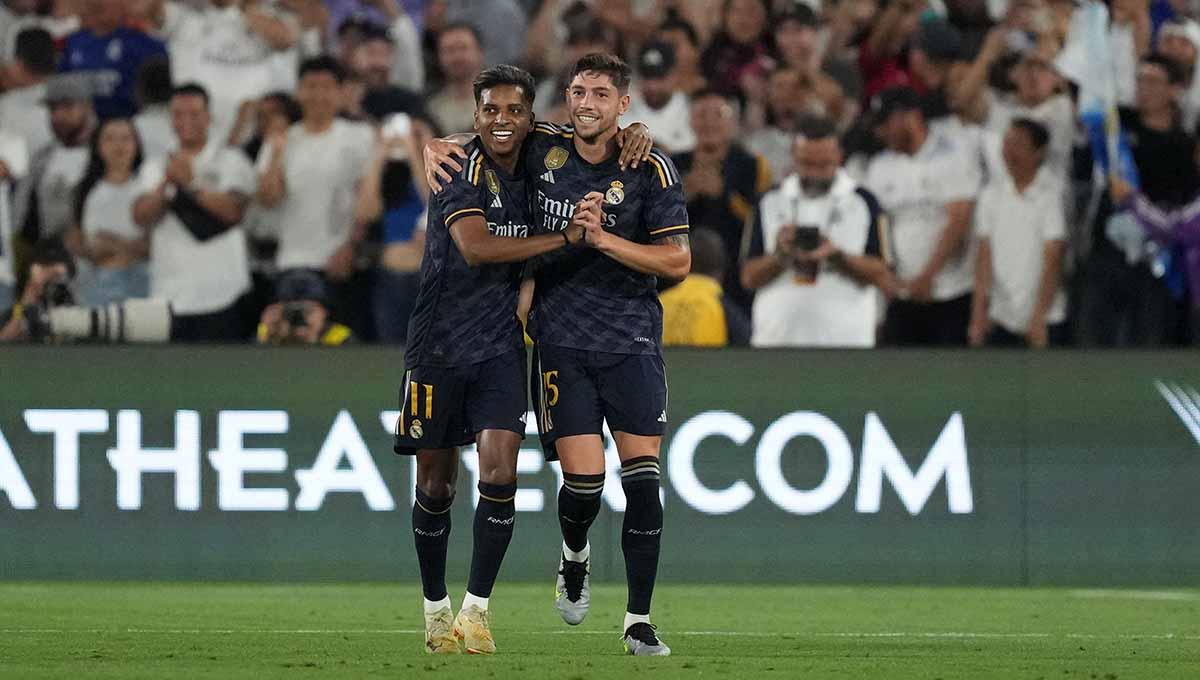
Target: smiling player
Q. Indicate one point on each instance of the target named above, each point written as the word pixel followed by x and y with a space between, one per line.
pixel 598 326
pixel 465 360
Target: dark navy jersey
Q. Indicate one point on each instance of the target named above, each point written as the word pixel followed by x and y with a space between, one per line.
pixel 584 299
pixel 463 314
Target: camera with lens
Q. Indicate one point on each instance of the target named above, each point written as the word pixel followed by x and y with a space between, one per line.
pixel 808 239
pixel 295 314
pixel 55 294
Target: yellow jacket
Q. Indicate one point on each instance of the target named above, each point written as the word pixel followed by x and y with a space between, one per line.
pixel 693 314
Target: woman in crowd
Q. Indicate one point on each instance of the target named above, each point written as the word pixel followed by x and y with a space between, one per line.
pixel 113 248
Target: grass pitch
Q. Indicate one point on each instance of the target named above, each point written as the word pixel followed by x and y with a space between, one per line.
pixel 373 631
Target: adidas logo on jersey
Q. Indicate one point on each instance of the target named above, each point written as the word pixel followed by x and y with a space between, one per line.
pixel 663 418
pixel 548 178
pixel 496 203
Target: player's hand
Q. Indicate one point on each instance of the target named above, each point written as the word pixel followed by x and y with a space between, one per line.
pixel 590 219
pixel 439 153
pixel 635 142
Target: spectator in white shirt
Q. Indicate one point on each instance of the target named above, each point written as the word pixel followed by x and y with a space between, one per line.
pixel 1019 298
pixel 14 163
pixel 460 56
pixel 927 183
pixel 22 109
pixel 817 253
pixel 771 123
pixel 193 201
pixel 43 203
pixel 104 233
pixel 229 47
pixel 659 103
pixel 1036 94
pixel 311 174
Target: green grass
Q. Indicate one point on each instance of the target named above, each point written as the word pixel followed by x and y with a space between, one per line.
pixel 371 631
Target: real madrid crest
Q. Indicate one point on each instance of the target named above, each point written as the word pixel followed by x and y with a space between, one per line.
pixel 415 430
pixel 556 158
pixel 493 182
pixel 615 193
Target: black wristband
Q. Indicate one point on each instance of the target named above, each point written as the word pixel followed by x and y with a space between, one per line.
pixel 566 239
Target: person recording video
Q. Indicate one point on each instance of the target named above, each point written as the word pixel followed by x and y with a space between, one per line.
pixel 817 252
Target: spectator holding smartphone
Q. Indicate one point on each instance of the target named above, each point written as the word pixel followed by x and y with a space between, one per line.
pixel 816 287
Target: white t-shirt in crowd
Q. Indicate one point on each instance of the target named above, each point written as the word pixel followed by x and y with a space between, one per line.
pixel 452 114
pixel 775 146
pixel 836 310
pixel 1018 226
pixel 22 112
pixel 154 129
pixel 56 189
pixel 671 125
pixel 216 47
pixel 1056 113
pixel 322 172
pixel 915 190
pixel 109 207
pixel 15 155
pixel 200 277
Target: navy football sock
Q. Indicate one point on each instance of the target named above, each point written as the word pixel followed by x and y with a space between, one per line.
pixel 578 505
pixel 494 519
pixel 641 532
pixel 431 534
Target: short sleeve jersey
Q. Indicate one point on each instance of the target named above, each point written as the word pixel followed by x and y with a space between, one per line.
pixel 584 299
pixel 464 314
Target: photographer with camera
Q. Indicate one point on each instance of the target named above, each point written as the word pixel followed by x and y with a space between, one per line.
pixel 46 287
pixel 299 315
pixel 46 311
pixel 817 288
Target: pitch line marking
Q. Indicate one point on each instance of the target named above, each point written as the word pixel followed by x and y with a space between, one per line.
pixel 950 635
pixel 1159 595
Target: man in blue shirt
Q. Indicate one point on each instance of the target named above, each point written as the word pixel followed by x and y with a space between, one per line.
pixel 111 53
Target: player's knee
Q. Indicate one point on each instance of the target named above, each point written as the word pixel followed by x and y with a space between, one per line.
pixel 437 474
pixel 497 465
pixel 497 476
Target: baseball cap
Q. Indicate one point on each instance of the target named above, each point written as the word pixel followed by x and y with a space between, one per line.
pixel 892 101
pixel 656 60
pixel 296 285
pixel 67 88
pixel 940 41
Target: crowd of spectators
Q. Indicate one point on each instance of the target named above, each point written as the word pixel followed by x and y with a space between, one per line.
pixel 858 172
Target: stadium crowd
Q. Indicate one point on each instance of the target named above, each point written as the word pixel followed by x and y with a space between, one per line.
pixel 858 172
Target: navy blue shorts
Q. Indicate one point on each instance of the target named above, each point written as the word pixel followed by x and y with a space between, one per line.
pixel 444 407
pixel 575 391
